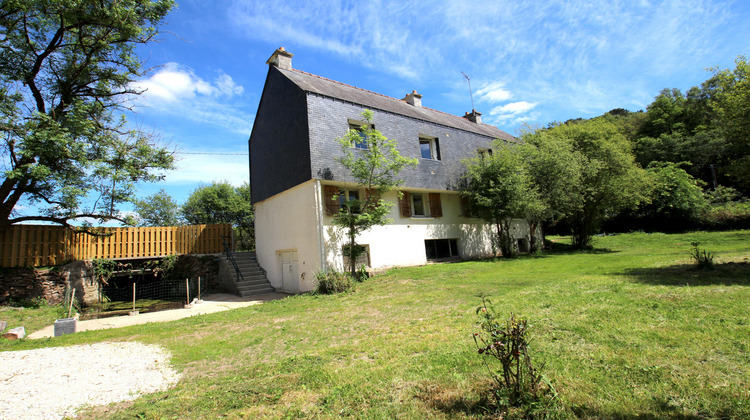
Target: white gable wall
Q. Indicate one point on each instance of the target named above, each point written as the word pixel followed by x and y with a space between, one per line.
pixel 286 222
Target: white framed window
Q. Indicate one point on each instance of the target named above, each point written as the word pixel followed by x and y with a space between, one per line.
pixel 417 205
pixel 429 148
pixel 345 196
pixel 359 126
pixel 413 204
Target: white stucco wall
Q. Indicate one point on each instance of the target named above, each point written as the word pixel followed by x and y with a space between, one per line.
pixel 289 222
pixel 294 220
pixel 401 243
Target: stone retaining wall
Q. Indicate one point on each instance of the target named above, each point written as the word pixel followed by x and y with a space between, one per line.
pixel 50 283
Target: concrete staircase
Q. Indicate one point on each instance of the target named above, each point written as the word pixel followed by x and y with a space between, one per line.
pixel 254 281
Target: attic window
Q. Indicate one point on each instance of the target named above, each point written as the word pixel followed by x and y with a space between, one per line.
pixel 429 148
pixel 359 126
pixel 484 152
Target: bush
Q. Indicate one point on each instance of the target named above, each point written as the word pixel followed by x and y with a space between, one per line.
pixel 730 215
pixel 519 389
pixel 331 281
pixel 362 274
pixel 702 258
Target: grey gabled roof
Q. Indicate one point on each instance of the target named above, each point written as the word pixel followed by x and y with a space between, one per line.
pixel 330 88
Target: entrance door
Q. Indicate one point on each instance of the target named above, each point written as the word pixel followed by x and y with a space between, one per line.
pixel 289 272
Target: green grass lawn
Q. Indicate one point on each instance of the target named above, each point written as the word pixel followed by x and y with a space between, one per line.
pixel 627 330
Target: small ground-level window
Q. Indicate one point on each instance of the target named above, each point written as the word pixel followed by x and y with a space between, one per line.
pixel 363 259
pixel 441 248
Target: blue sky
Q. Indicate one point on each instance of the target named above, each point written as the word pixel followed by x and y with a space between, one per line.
pixel 529 62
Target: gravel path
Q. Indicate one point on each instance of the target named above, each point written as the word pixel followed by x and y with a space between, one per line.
pixel 52 383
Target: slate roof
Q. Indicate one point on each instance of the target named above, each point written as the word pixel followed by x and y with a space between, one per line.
pixel 333 89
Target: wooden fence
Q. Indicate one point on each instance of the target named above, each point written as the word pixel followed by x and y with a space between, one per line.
pixel 40 245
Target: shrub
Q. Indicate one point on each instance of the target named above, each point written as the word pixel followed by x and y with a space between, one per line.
pixel 702 258
pixel 519 389
pixel 362 274
pixel 331 281
pixel 730 215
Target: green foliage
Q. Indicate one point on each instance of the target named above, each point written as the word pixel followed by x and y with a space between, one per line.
pixel 731 103
pixel 555 170
pixel 722 195
pixel 34 303
pixel 609 180
pixel 500 188
pixel 105 269
pixel 707 127
pixel 731 215
pixel 331 282
pixel 362 274
pixel 375 167
pixel 65 72
pixel 676 196
pixel 164 266
pixel 220 202
pixel 519 389
pixel 158 209
pixel 703 259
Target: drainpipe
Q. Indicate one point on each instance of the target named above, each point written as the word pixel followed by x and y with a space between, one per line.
pixel 319 219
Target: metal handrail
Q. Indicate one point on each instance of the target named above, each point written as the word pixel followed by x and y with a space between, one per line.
pixel 230 257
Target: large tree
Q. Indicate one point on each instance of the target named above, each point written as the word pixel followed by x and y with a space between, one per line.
pixel 220 202
pixel 731 103
pixel 500 188
pixel 610 180
pixel 555 169
pixel 66 69
pixel 375 165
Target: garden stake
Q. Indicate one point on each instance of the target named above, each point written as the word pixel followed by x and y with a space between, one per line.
pixel 72 296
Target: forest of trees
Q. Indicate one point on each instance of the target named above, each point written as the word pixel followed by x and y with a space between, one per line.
pixel 683 163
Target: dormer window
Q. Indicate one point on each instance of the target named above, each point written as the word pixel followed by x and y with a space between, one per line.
pixel 429 148
pixel 484 153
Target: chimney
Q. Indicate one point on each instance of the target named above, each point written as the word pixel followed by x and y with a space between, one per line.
pixel 281 59
pixel 474 116
pixel 414 99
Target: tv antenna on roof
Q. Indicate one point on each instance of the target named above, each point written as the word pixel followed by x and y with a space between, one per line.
pixel 470 92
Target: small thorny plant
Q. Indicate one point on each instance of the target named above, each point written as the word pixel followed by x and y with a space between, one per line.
pixel 702 258
pixel 519 389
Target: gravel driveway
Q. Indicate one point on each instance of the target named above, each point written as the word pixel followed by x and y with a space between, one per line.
pixel 52 383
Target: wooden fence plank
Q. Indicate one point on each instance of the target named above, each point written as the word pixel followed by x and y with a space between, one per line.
pixel 40 245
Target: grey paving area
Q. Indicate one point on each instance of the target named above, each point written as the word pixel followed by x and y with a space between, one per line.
pixel 216 302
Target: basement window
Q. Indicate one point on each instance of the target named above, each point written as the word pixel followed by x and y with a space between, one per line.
pixel 441 248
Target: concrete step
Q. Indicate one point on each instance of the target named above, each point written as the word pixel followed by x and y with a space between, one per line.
pixel 253 281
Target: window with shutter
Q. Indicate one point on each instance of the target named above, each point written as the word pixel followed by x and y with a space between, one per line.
pixel 466 206
pixel 436 207
pixel 405 204
pixel 331 203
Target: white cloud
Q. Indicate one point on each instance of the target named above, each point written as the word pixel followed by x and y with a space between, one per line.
pixel 176 90
pixel 513 108
pixel 494 92
pixel 174 83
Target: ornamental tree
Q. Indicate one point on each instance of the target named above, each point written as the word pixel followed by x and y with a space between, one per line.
pixel 374 165
pixel 65 76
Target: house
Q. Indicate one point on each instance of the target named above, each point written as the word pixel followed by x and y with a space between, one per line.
pixel 295 178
